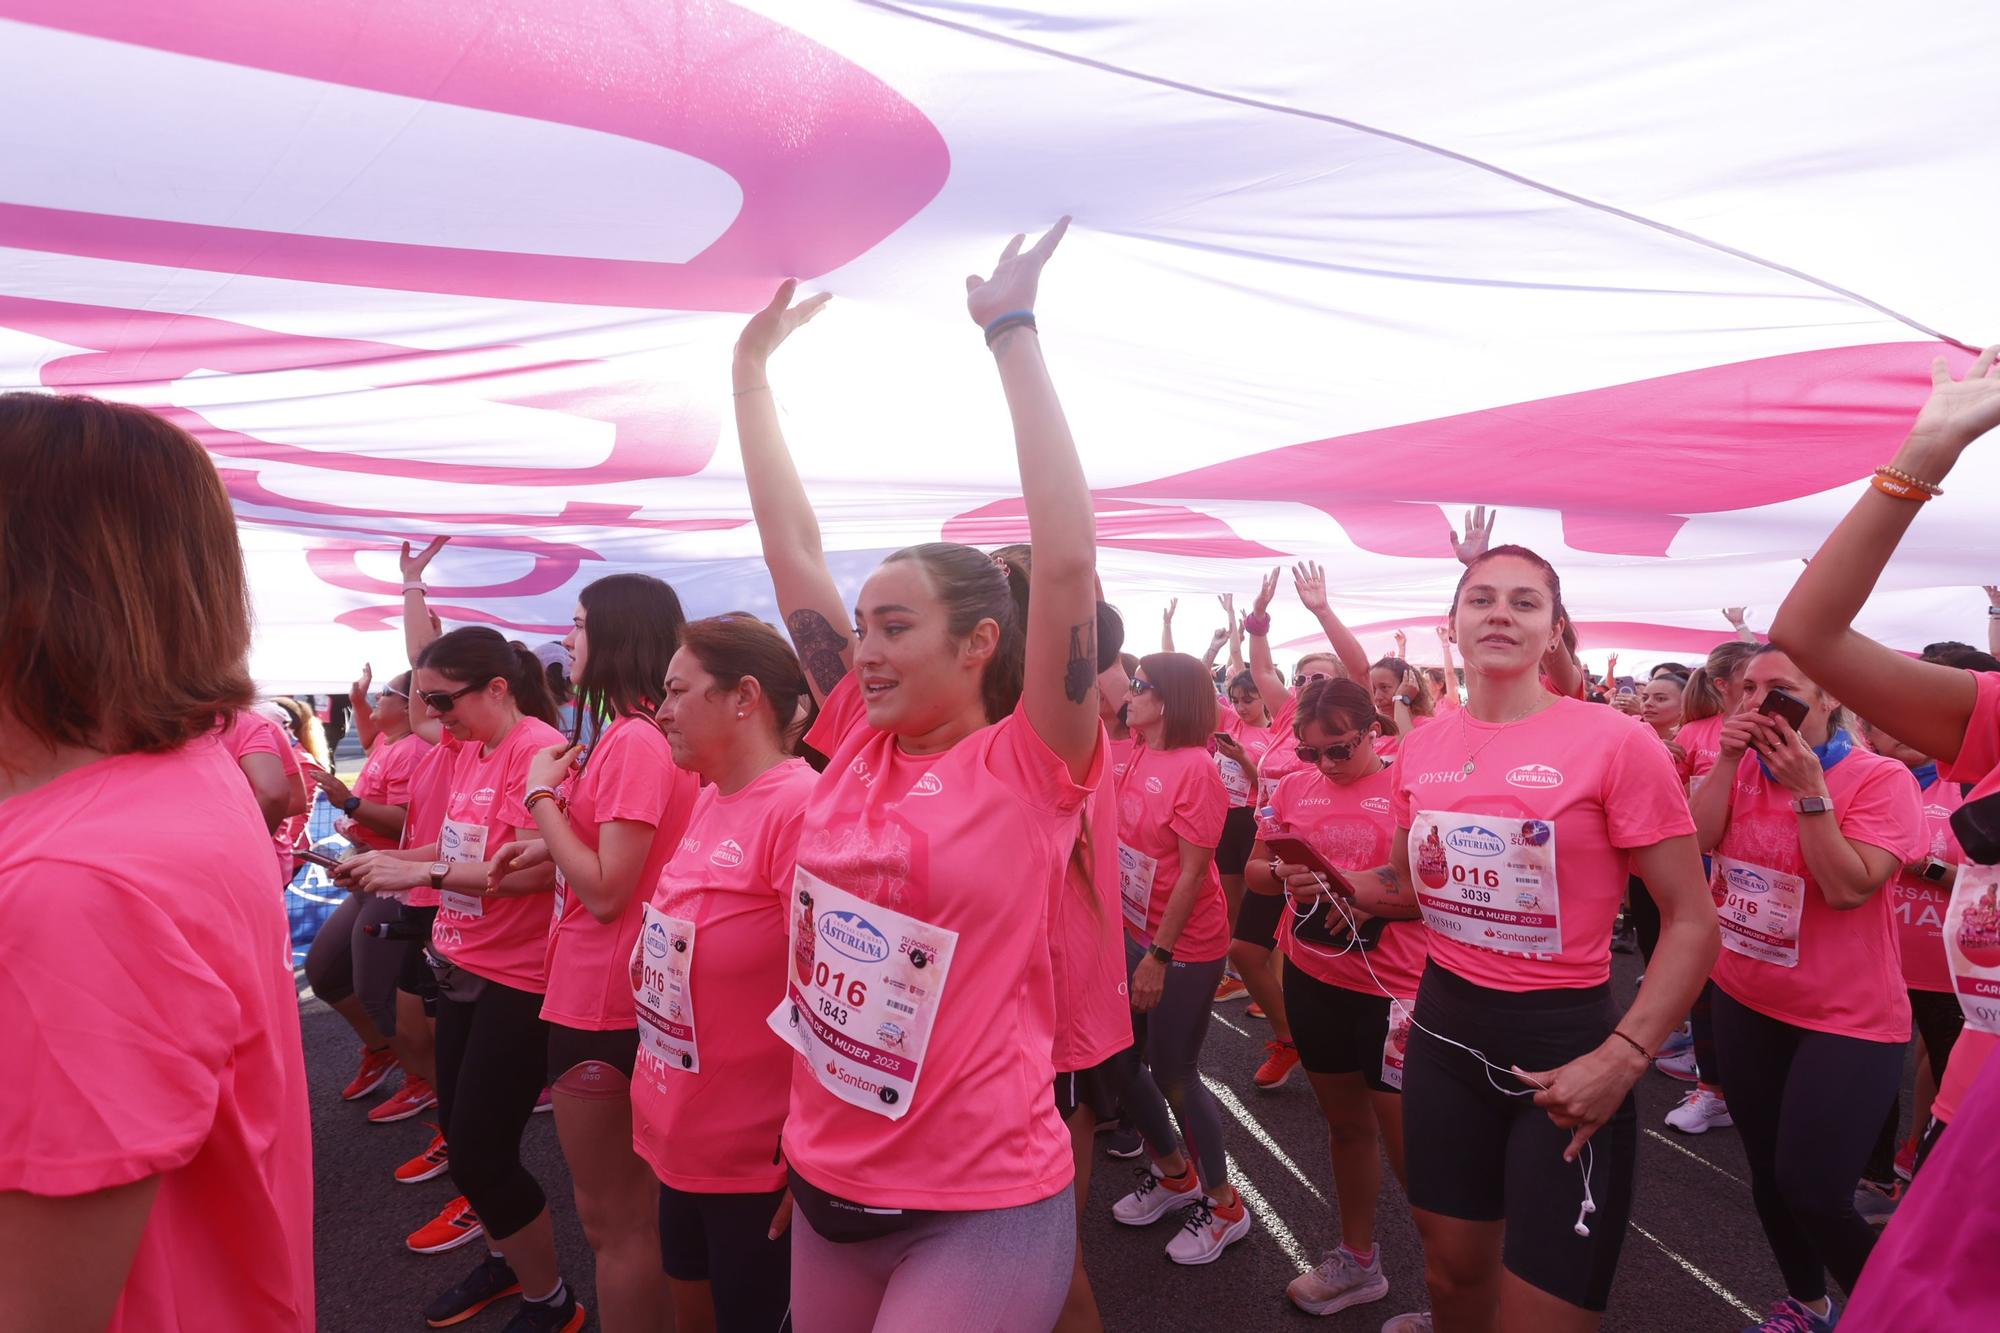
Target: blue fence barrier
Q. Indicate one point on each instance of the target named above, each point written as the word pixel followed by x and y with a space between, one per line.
pixel 311 896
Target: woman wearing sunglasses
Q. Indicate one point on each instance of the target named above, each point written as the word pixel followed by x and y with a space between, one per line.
pixel 1171 806
pixel 961 726
pixel 1346 660
pixel 488 942
pixel 1340 981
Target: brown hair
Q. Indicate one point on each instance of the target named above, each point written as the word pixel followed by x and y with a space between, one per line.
pixel 1420 703
pixel 738 645
pixel 476 654
pixel 1703 696
pixel 1186 694
pixel 1549 575
pixel 124 615
pixel 305 728
pixel 1339 705
pixel 975 586
pixel 633 622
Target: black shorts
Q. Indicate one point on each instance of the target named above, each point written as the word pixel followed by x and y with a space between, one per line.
pixel 1257 919
pixel 1097 1087
pixel 1337 1030
pixel 417 978
pixel 1477 1153
pixel 570 1047
pixel 725 1241
pixel 1239 834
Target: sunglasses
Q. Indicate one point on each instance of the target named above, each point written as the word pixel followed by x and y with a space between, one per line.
pixel 1308 677
pixel 1141 686
pixel 1340 754
pixel 442 701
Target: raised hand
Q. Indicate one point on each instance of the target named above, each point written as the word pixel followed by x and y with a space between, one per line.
pixel 1478 535
pixel 1960 411
pixel 1015 278
pixel 1310 580
pixel 1402 645
pixel 359 689
pixel 1992 593
pixel 1228 601
pixel 415 565
pixel 1167 616
pixel 776 322
pixel 1734 615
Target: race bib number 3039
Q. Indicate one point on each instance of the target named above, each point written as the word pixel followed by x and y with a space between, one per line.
pixel 862 994
pixel 1488 880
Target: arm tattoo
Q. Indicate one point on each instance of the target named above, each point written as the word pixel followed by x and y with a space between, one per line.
pixel 1080 673
pixel 821 648
pixel 1386 877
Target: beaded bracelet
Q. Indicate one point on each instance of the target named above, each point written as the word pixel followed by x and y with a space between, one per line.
pixel 542 793
pixel 1898 490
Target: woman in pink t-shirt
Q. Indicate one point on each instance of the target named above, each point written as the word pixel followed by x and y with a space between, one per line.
pixel 961 729
pixel 488 942
pixel 609 821
pixel 1171 806
pixel 155 1146
pixel 1806 828
pixel 1520 818
pixel 1953 715
pixel 713 1080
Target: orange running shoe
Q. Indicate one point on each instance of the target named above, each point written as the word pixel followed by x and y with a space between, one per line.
pixel 414 1098
pixel 1230 988
pixel 374 1072
pixel 429 1164
pixel 457 1225
pixel 1278 1065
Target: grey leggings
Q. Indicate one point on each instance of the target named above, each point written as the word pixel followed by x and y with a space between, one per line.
pixel 378 963
pixel 1002 1270
pixel 1169 1040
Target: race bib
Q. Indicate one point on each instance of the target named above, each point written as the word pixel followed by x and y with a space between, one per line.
pixel 462 842
pixel 1267 788
pixel 1135 885
pixel 1488 881
pixel 662 966
pixel 561 897
pixel 1234 780
pixel 1972 944
pixel 862 995
pixel 1396 1045
pixel 1759 910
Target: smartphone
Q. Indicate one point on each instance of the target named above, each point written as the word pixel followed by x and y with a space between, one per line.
pixel 1221 737
pixel 1627 685
pixel 320 859
pixel 1787 706
pixel 1292 850
pixel 1935 870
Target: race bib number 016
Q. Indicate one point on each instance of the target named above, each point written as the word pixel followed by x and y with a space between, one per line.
pixel 1758 909
pixel 862 994
pixel 1488 881
pixel 662 968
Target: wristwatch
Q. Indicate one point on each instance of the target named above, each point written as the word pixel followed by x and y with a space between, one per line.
pixel 1813 805
pixel 350 805
pixel 1160 952
pixel 439 869
pixel 1403 699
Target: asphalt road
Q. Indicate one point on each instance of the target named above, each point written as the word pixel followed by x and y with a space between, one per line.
pixel 1694 1259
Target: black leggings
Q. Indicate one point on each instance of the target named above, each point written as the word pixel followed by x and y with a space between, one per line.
pixel 1808 1106
pixel 330 960
pixel 1938 1020
pixel 725 1241
pixel 492 1056
pixel 1645 916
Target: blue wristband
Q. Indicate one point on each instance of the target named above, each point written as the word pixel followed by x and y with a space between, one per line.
pixel 1011 314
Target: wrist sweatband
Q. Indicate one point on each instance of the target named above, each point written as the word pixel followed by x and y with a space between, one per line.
pixel 1257 623
pixel 1013 319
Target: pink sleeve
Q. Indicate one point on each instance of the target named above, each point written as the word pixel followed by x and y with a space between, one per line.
pixel 632 780
pixel 1644 801
pixel 251 734
pixel 120 1029
pixel 1201 803
pixel 840 714
pixel 1400 804
pixel 782 856
pixel 398 773
pixel 1979 752
pixel 1022 760
pixel 509 789
pixel 1886 810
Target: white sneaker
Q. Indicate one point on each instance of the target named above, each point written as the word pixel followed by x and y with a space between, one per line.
pixel 1680 1065
pixel 1338 1282
pixel 1207 1231
pixel 1156 1196
pixel 1700 1111
pixel 1409 1323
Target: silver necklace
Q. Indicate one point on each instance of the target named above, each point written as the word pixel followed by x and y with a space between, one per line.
pixel 1465 734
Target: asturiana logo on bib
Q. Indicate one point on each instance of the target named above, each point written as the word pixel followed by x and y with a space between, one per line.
pixel 847 933
pixel 1475 841
pixel 656 939
pixel 727 854
pixel 1536 775
pixel 1742 879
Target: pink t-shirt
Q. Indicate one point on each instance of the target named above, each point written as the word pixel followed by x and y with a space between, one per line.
pixel 629 774
pixel 291 834
pixel 153 1030
pixel 1849 977
pixel 430 793
pixel 1352 828
pixel 251 733
pixel 1388 746
pixel 385 780
pixel 1600 778
pixel 1256 742
pixel 1919 903
pixel 1167 795
pixel 1978 762
pixel 715 1130
pixel 508 940
pixel 973 840
pixel 1086 948
pixel 1700 742
pixel 1283 756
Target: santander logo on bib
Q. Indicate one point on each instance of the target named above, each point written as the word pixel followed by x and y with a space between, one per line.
pixel 1536 775
pixel 727 853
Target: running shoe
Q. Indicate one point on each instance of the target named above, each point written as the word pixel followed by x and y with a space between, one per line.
pixel 1338 1282
pixel 374 1072
pixel 545 1103
pixel 1701 1110
pixel 1156 1196
pixel 1281 1059
pixel 414 1098
pixel 1125 1143
pixel 1679 1065
pixel 1415 1322
pixel 457 1225
pixel 481 1287
pixel 566 1316
pixel 1789 1316
pixel 1230 989
pixel 1207 1230
pixel 1624 936
pixel 1906 1158
pixel 1254 1010
pixel 429 1164
pixel 1877 1203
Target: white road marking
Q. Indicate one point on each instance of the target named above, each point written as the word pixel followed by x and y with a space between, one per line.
pixel 1263 1136
pixel 1689 1152
pixel 1268 1217
pixel 1695 1273
pixel 1231 1026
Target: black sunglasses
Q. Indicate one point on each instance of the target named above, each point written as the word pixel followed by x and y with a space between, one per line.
pixel 1141 686
pixel 442 701
pixel 1340 754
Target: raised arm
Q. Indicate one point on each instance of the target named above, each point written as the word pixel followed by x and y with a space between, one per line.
pixel 1310 580
pixel 1228 600
pixel 365 729
pixel 786 525
pixel 1257 624
pixel 1450 667
pixel 1923 704
pixel 1167 624
pixel 1059 675
pixel 419 625
pixel 1734 615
